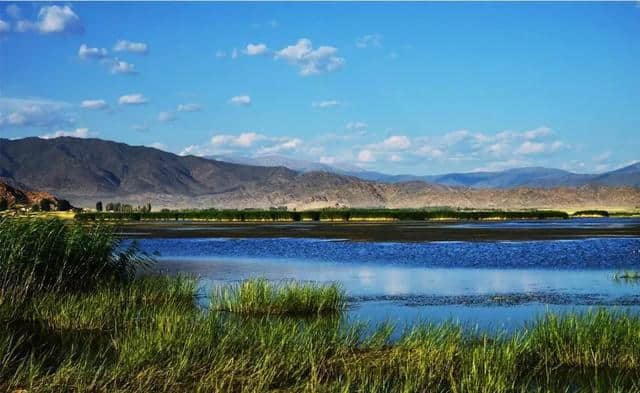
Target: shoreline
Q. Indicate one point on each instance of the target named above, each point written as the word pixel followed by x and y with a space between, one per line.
pixel 405 231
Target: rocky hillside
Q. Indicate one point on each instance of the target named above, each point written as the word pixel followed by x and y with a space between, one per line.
pixel 16 197
pixel 87 170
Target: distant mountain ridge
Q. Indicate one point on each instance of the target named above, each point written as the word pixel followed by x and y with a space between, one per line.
pixel 537 177
pixel 86 170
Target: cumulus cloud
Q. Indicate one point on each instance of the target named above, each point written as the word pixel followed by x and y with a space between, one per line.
pixel 94 104
pixel 166 117
pixel 255 49
pixel 366 156
pixel 240 100
pixel 131 47
pixel 234 53
pixel 244 140
pixel 122 67
pixel 311 61
pixel 189 108
pixel 369 40
pixel 132 99
pixel 287 144
pixel 77 133
pixel 19 112
pixel 399 142
pixel 53 20
pixel 13 11
pixel 326 104
pixel 4 27
pixel 86 52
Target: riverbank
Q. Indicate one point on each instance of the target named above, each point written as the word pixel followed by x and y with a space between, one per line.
pixel 408 231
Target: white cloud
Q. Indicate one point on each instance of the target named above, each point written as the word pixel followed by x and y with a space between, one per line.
pixel 159 146
pixel 4 27
pixel 244 140
pixel 240 100
pixel 311 61
pixel 430 151
pixel 221 53
pixel 122 67
pixel 234 53
pixel 132 99
pixel 398 142
pixel 52 20
pixel 255 49
pixel 356 125
pixel 530 148
pixel 131 47
pixel 13 11
pixel 166 117
pixel 21 112
pixel 395 157
pixel 77 133
pixel 287 144
pixel 86 52
pixel 366 156
pixel 326 104
pixel 94 104
pixel 537 133
pixel 189 108
pixel 369 40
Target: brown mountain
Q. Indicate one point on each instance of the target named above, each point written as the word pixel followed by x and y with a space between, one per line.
pixel 86 170
pixel 17 197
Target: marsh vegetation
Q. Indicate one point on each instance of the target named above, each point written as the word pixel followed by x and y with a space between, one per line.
pixel 74 317
pixel 324 215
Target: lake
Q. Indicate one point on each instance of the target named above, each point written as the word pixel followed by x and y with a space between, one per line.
pixel 485 284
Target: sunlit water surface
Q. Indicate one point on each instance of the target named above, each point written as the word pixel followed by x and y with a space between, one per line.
pixel 490 285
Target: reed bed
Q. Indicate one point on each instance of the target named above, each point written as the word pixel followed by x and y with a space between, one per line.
pixel 259 296
pixel 630 275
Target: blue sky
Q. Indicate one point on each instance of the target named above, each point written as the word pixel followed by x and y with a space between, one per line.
pixel 419 88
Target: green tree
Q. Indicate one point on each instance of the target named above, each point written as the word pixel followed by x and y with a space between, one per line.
pixel 45 205
pixel 64 205
pixel 99 206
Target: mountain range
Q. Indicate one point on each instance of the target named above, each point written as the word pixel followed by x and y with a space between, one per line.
pixel 536 177
pixel 86 170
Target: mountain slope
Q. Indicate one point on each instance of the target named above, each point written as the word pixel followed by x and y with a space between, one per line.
pixel 86 170
pixel 97 167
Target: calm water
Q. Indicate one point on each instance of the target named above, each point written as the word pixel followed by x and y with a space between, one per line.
pixel 484 284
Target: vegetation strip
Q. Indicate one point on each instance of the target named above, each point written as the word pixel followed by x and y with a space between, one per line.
pixel 323 215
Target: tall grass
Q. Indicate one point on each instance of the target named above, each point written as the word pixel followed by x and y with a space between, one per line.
pixel 259 296
pixel 48 255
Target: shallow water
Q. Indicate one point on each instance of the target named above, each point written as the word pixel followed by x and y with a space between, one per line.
pixel 485 284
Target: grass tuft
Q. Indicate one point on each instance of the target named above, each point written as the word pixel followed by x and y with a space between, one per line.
pixel 259 296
